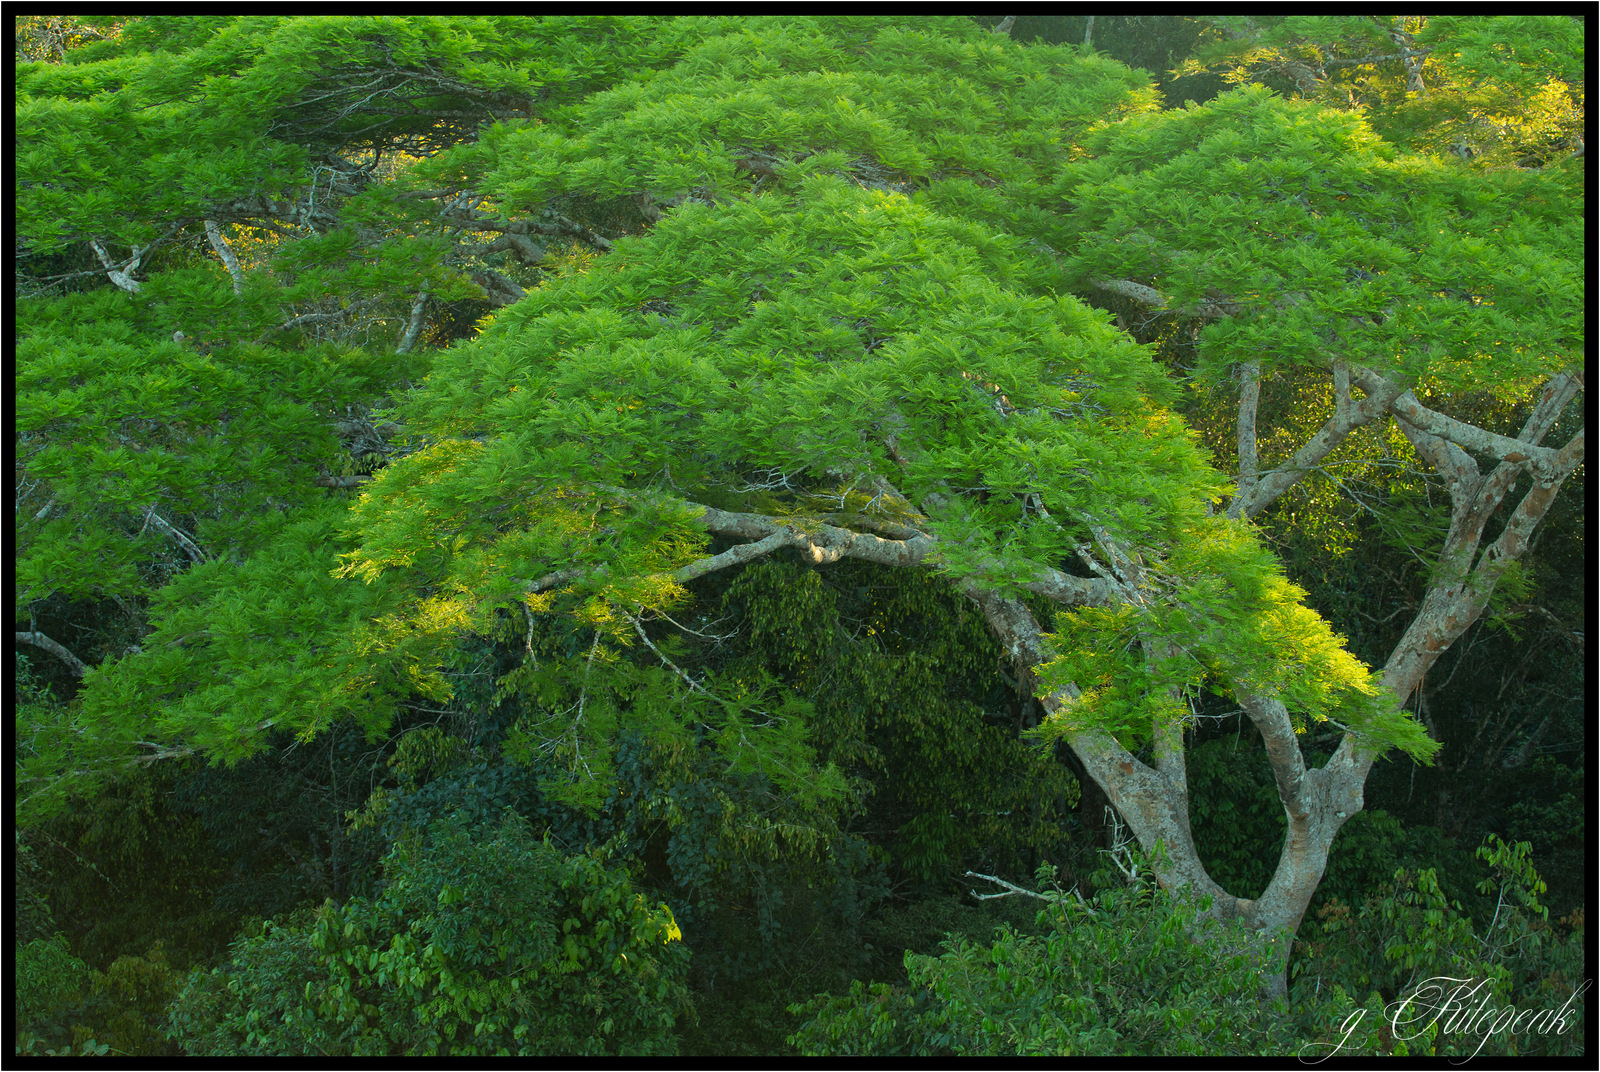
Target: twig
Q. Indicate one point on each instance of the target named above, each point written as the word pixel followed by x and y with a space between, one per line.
pixel 639 628
pixel 696 632
pixel 1012 888
pixel 1121 856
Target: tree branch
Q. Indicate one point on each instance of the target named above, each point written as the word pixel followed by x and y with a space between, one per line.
pixel 1457 599
pixel 1271 718
pixel 526 249
pixel 315 318
pixel 189 546
pixel 1412 58
pixel 415 325
pixel 1256 495
pixel 1154 299
pixel 499 290
pixel 1012 888
pixel 1265 491
pixel 1249 398
pixel 39 640
pixel 122 276
pixel 220 244
pixel 821 544
pixel 1405 405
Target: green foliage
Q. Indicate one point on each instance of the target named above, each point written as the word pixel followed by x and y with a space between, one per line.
pixel 50 983
pixel 808 272
pixel 1373 844
pixel 636 401
pixel 63 1006
pixel 480 944
pixel 191 113
pixel 1235 811
pixel 151 463
pixel 117 425
pixel 277 823
pixel 128 1003
pixel 758 880
pixel 922 926
pixel 52 38
pixel 1130 975
pixel 1152 43
pixel 130 866
pixel 750 1018
pixel 1329 239
pixel 893 101
pixel 757 352
pixel 222 630
pixel 906 698
pixel 1228 611
pixel 1495 90
pixel 1513 877
pixel 752 870
pixel 1414 941
pixel 1556 823
pixel 30 910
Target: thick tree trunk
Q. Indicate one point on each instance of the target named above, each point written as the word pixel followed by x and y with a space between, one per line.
pixel 1154 801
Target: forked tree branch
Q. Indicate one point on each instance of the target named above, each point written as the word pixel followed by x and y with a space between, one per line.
pixel 190 548
pixel 1458 597
pixel 1258 491
pixel 1269 486
pixel 1012 889
pixel 121 275
pixel 1470 436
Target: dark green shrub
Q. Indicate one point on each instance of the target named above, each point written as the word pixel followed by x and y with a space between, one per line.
pixel 488 944
pixel 1419 959
pixel 1131 973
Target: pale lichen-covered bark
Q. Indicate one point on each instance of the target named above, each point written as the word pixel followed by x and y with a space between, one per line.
pixel 1154 800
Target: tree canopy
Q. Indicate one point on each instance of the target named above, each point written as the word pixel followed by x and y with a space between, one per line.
pixel 374 365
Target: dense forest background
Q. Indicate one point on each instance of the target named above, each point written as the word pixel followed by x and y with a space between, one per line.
pixel 306 763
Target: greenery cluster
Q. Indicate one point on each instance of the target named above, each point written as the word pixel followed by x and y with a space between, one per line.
pixel 477 945
pixel 1122 975
pixel 1488 93
pixel 523 523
